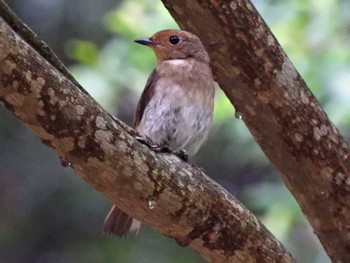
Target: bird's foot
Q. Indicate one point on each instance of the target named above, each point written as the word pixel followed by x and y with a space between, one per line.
pixel 166 149
pixel 148 142
pixel 144 140
pixel 161 148
pixel 182 154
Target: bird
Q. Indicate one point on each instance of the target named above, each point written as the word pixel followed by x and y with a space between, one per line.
pixel 175 109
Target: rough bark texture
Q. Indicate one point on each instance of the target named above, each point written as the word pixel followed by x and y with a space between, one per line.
pixel 284 117
pixel 160 190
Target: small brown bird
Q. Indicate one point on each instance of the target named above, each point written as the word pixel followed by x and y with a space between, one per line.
pixel 176 107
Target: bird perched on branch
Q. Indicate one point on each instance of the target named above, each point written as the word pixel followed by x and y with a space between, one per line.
pixel 176 107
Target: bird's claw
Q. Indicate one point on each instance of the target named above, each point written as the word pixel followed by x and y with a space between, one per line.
pixel 179 153
pixel 148 142
pixel 182 154
pixel 161 148
pixel 144 140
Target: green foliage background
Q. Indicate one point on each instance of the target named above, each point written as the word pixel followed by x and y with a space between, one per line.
pixel 47 214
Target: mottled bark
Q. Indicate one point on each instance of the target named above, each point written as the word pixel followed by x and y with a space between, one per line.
pixel 160 190
pixel 280 111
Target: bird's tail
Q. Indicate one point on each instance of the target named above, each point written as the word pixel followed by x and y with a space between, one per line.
pixel 119 223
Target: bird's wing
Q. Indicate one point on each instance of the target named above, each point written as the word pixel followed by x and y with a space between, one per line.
pixel 145 97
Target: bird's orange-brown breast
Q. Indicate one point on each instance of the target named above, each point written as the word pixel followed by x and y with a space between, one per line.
pixel 179 111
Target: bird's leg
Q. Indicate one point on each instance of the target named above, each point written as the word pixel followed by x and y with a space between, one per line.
pixel 142 139
pixel 166 149
pixel 145 140
pixel 161 148
pixel 182 154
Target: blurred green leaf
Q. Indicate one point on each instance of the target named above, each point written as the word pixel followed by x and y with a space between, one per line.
pixel 135 19
pixel 84 52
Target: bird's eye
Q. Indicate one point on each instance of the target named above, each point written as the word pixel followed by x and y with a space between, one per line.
pixel 174 40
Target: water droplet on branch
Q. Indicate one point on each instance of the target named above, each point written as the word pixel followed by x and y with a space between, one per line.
pixel 64 162
pixel 238 115
pixel 152 204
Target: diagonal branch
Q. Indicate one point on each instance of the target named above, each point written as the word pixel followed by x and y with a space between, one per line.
pixel 160 190
pixel 280 111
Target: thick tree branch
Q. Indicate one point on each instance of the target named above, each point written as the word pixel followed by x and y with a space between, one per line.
pixel 160 190
pixel 284 117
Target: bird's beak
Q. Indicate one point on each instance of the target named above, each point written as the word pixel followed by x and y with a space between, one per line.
pixel 145 41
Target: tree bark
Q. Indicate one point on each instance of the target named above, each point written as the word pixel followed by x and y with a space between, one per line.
pixel 160 190
pixel 280 111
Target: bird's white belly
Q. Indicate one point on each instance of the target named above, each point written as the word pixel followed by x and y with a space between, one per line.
pixel 175 125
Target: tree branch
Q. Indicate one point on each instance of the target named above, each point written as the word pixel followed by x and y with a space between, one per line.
pixel 280 111
pixel 160 190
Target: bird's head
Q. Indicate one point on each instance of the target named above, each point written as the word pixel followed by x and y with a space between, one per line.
pixel 175 44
